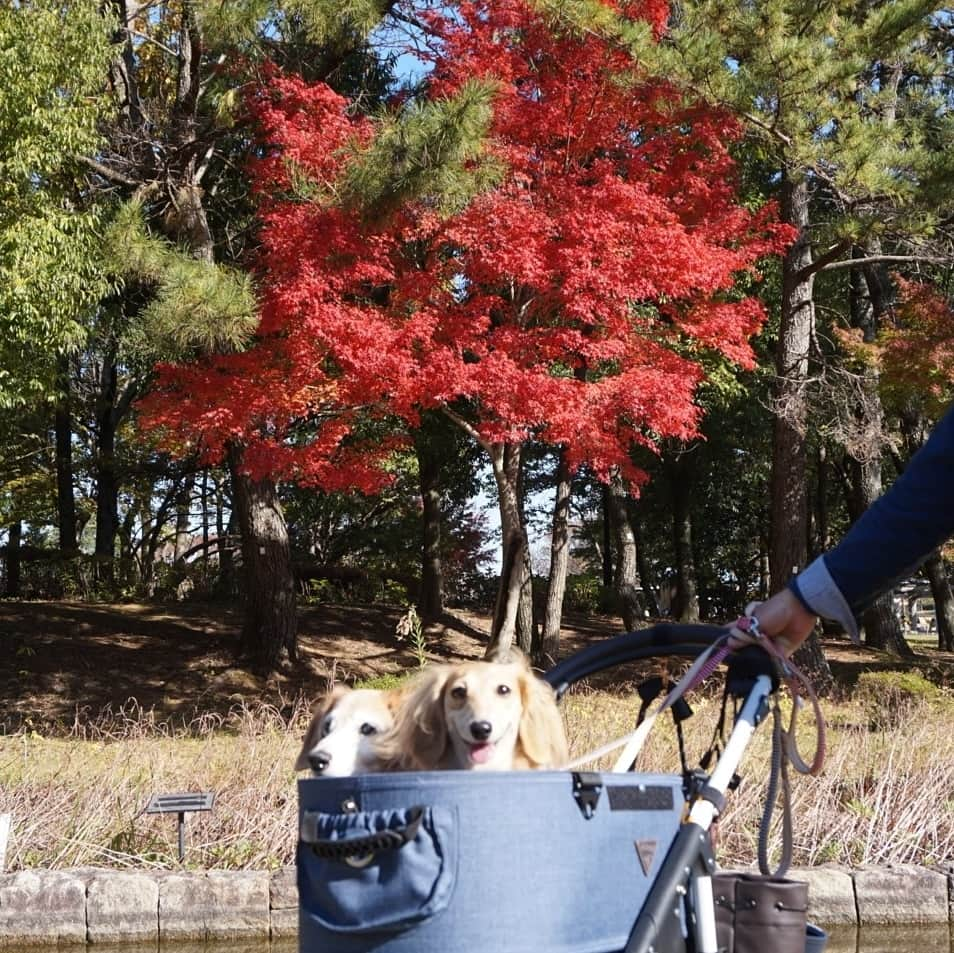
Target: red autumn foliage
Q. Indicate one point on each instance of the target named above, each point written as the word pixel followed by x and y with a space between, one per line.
pixel 568 303
pixel 917 350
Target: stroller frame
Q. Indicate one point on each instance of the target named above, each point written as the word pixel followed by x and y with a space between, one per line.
pixel 686 873
pixel 678 911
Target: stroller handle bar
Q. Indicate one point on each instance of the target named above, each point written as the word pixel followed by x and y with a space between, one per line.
pixel 666 638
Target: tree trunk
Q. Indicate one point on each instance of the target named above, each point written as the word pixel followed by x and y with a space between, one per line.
pixel 107 484
pixel 646 577
pixel 14 536
pixel 936 572
pixel 686 602
pixel 63 429
pixel 528 628
pixel 626 578
pixel 514 597
pixel 183 538
pixel 559 561
pixel 822 521
pixel 204 503
pixel 227 581
pixel 432 589
pixel 788 535
pixel 881 624
pixel 810 658
pixel 789 521
pixel 882 628
pixel 269 633
pixel 764 574
pixel 606 499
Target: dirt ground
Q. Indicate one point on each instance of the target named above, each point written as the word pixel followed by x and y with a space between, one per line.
pixel 66 662
pixel 63 662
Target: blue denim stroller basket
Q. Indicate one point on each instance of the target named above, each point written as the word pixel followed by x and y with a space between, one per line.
pixel 514 862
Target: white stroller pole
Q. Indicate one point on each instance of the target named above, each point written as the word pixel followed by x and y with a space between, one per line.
pixel 753 711
pixel 690 859
pixel 704 811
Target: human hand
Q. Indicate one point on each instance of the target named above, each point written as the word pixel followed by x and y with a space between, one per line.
pixel 783 619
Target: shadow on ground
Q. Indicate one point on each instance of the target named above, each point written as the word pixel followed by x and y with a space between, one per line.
pixel 63 663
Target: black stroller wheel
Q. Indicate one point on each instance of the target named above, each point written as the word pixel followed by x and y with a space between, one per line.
pixel 667 639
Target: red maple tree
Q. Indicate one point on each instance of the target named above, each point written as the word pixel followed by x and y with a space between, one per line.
pixel 569 304
pixel 916 350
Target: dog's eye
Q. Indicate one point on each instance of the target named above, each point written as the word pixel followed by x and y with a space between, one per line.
pixel 503 689
pixel 327 726
pixel 368 729
pixel 459 691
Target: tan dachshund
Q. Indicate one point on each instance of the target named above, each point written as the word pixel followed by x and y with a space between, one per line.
pixel 483 716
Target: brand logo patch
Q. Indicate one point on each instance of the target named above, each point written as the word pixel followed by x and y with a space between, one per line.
pixel 646 852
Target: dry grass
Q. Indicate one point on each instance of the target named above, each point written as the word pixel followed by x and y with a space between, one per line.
pixel 79 799
pixel 887 794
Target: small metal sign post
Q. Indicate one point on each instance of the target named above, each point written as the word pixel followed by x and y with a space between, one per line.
pixel 4 834
pixel 180 804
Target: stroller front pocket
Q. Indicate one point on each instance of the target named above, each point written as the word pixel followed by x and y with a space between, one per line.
pixel 377 871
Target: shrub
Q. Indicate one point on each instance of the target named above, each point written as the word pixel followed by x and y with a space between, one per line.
pixel 584 592
pixel 889 698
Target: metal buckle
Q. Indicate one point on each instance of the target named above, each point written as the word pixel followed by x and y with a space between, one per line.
pixel 587 787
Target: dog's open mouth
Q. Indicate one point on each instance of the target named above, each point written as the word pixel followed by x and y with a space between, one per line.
pixel 482 752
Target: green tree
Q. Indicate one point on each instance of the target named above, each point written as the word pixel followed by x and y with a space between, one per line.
pixel 817 85
pixel 53 60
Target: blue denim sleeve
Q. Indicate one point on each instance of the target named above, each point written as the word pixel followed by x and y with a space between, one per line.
pixel 890 539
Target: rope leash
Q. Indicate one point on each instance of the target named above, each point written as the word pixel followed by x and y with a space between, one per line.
pixel 746 631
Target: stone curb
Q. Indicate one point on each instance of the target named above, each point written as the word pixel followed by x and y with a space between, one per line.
pixel 91 905
pixel 63 907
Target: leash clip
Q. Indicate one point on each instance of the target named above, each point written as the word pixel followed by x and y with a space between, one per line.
pixel 749 625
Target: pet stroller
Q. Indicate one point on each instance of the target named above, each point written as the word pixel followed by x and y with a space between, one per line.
pixel 547 861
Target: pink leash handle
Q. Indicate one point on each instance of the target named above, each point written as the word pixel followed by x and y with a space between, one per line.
pixel 712 663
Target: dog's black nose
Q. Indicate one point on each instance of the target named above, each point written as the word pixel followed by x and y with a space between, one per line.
pixel 481 729
pixel 319 761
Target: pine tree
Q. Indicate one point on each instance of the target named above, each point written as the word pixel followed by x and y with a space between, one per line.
pixel 817 86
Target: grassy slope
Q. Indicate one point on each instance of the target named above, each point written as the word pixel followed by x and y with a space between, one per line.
pixel 76 783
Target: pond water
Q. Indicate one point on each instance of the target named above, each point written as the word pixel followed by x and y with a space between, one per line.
pixel 841 940
pixel 935 939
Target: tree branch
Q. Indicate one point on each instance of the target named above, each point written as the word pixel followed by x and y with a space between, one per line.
pixel 823 261
pixel 467 427
pixel 107 173
pixel 125 400
pixel 154 41
pixel 882 259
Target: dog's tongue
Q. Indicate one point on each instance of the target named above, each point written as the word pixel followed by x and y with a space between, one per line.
pixel 481 752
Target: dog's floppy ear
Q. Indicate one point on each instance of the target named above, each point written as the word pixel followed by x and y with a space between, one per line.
pixel 541 736
pixel 418 739
pixel 321 709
